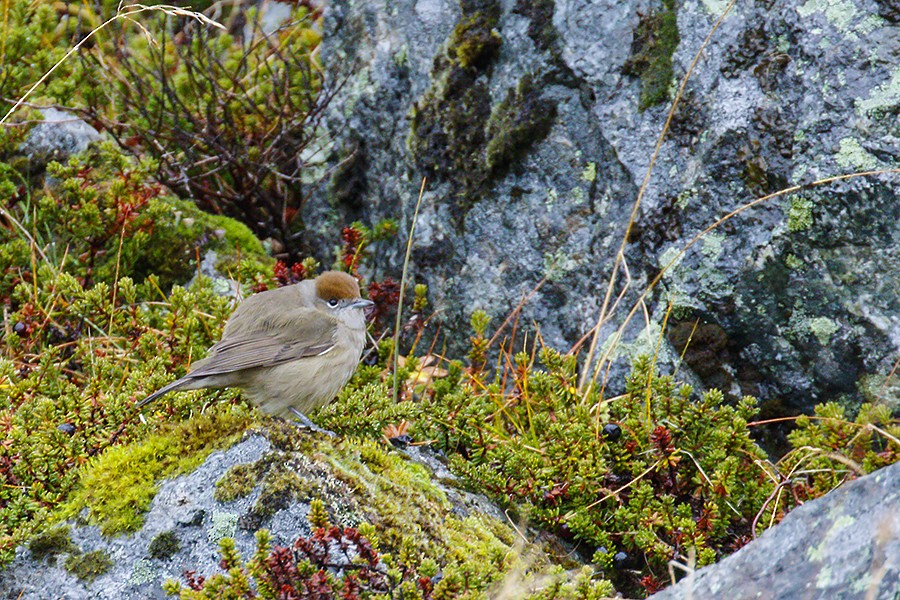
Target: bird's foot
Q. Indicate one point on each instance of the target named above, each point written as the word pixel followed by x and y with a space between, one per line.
pixel 303 421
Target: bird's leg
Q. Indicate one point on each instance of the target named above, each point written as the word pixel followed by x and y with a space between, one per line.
pixel 303 421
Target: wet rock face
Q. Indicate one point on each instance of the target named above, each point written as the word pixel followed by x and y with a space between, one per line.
pixel 534 122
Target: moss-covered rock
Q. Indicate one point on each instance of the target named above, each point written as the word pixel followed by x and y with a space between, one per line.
pixel 457 132
pixel 655 41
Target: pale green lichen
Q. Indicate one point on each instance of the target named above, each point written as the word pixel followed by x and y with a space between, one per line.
pixel 882 98
pixel 800 216
pixel 590 172
pixel 559 263
pixel 223 525
pixel 142 573
pixel 712 245
pixel 684 198
pixel 823 328
pixel 670 259
pixel 840 13
pixel 793 262
pixel 853 156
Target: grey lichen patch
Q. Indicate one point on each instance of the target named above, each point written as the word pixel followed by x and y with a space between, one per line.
pixel 142 573
pixel 223 525
pixel 852 155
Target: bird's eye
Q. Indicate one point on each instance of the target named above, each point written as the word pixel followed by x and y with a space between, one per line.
pixel 333 302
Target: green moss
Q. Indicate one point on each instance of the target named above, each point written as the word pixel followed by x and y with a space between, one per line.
pixel 89 565
pixel 237 482
pixel 455 132
pixel 474 42
pixel 655 41
pixel 120 484
pixel 51 542
pixel 521 120
pixel 540 22
pixel 280 486
pixel 164 545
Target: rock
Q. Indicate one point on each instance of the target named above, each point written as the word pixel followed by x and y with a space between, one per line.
pixel 845 545
pixel 534 122
pixel 260 483
pixel 60 135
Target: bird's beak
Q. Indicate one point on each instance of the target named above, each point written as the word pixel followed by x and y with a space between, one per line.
pixel 361 303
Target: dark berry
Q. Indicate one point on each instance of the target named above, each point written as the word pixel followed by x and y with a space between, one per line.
pixel 621 560
pixel 612 431
pixel 66 428
pixel 20 328
pixel 370 359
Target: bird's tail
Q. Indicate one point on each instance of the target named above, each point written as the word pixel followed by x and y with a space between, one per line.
pixel 175 385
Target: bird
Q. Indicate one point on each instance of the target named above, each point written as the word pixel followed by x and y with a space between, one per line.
pixel 290 349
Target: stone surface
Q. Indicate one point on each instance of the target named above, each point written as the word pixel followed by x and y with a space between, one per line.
pixel 185 509
pixel 844 545
pixel 60 135
pixel 794 298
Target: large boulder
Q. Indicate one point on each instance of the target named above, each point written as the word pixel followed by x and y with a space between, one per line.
pixel 844 545
pixel 535 122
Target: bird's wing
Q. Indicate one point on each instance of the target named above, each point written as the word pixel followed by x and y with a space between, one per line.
pixel 290 335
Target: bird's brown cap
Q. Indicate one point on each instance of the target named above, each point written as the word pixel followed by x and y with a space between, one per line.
pixel 337 285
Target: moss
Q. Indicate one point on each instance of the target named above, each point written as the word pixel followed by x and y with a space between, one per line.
pixel 89 565
pixel 455 132
pixel 164 545
pixel 51 542
pixel 655 41
pixel 237 482
pixel 120 484
pixel 474 42
pixel 540 22
pixel 521 120
pixel 280 487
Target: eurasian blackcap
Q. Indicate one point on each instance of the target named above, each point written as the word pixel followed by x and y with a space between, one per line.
pixel 290 349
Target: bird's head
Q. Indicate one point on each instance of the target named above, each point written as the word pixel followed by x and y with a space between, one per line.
pixel 337 291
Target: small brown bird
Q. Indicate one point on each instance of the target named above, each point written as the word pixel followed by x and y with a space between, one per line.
pixel 290 349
